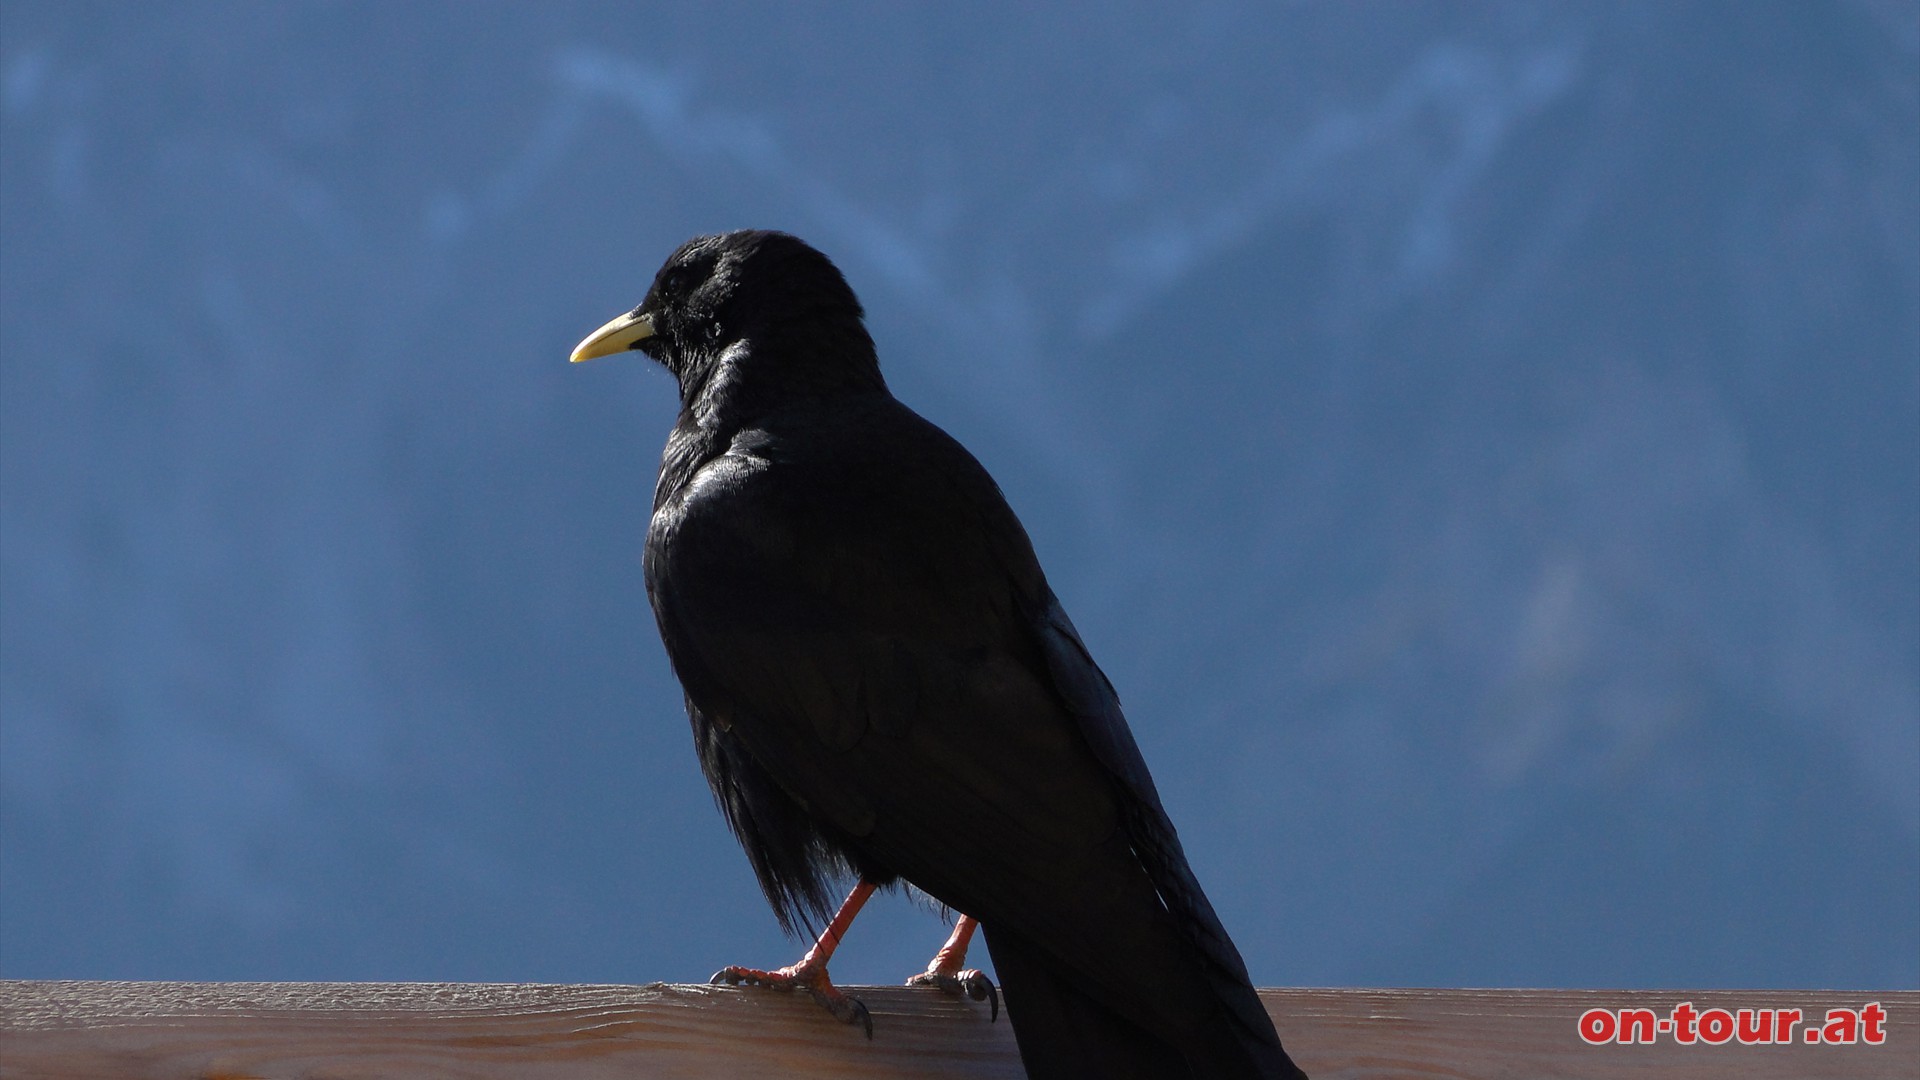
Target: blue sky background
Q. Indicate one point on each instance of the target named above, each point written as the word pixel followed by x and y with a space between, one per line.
pixel 1481 442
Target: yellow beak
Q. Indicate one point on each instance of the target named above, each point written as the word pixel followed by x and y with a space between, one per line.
pixel 619 335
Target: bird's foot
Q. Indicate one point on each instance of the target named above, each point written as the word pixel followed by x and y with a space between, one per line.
pixel 970 982
pixel 948 969
pixel 808 976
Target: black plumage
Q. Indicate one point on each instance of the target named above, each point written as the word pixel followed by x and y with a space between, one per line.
pixel 882 684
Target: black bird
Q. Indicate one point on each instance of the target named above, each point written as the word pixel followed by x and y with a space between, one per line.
pixel 883 687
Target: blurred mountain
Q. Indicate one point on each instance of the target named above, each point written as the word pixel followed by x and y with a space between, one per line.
pixel 1482 444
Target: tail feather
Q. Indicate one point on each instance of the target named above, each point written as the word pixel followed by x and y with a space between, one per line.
pixel 1064 1031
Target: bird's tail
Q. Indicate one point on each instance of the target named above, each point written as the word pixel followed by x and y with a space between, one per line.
pixel 1065 1031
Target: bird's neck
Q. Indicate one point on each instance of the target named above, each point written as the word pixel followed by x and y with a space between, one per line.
pixel 743 379
pixel 730 388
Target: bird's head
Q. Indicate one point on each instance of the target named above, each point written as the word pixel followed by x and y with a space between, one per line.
pixel 767 289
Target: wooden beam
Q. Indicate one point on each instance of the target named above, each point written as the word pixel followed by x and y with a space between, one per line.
pixel 226 1031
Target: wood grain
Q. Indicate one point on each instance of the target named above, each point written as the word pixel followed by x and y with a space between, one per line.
pixel 342 1031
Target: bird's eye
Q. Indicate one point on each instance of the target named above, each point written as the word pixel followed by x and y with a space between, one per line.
pixel 675 279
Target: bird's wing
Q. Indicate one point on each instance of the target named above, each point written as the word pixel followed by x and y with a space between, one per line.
pixel 1090 697
pixel 850 596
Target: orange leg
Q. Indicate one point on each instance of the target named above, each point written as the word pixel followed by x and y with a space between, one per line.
pixel 810 974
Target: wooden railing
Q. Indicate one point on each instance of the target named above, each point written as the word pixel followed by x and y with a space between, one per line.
pixel 206 1031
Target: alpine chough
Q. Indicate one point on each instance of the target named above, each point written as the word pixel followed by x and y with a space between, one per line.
pixel 883 688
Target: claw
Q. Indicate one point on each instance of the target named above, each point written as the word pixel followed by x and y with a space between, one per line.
pixel 945 970
pixel 810 973
pixel 972 983
pixel 981 988
pixel 848 1010
pixel 809 977
pixel 734 976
